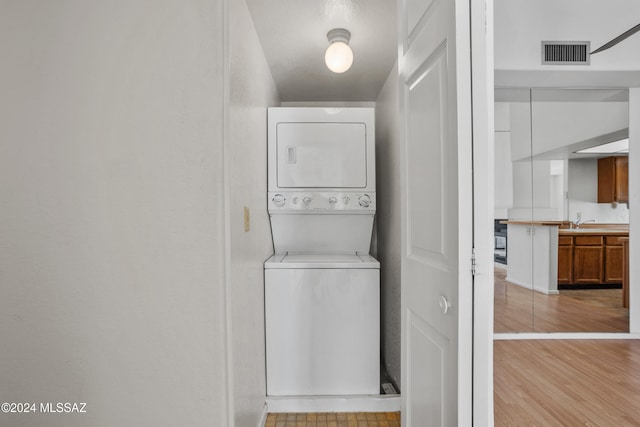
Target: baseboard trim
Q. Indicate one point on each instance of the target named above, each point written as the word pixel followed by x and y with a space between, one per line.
pixel 374 403
pixel 566 336
pixel 528 286
pixel 263 417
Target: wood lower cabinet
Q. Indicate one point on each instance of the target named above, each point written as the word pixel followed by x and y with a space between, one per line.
pixel 613 263
pixel 625 272
pixel 590 259
pixel 565 260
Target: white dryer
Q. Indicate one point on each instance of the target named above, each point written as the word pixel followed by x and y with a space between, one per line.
pixel 322 292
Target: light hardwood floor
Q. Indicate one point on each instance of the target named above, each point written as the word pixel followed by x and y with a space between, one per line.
pixel 517 309
pixel 334 419
pixel 567 383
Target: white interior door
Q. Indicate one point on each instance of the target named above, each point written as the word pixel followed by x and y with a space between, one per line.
pixel 434 61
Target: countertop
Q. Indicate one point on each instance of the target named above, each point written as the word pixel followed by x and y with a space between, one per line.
pixel 586 229
pixel 592 231
pixel 522 222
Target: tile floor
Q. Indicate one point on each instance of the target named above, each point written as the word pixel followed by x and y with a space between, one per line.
pixel 334 419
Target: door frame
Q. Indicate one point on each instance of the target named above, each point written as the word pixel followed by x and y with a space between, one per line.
pixel 482 82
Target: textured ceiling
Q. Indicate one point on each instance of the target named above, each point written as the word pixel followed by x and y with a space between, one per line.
pixel 293 34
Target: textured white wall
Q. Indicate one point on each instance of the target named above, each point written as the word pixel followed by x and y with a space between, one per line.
pixel 111 226
pixel 520 26
pixel 558 124
pixel 503 168
pixel 251 91
pixel 388 220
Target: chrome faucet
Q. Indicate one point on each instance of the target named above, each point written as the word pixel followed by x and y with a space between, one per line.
pixel 578 222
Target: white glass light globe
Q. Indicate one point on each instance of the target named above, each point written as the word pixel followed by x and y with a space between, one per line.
pixel 338 57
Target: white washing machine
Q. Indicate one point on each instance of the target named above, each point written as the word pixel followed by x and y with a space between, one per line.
pixel 322 288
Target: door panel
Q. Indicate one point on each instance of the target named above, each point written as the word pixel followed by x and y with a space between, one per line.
pixel 425 343
pixel 426 143
pixel 416 11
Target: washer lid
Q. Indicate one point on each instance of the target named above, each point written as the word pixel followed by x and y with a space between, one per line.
pixel 300 260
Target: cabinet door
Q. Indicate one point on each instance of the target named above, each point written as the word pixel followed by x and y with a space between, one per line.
pixel 625 273
pixel 587 264
pixel 565 264
pixel 622 179
pixel 613 179
pixel 606 180
pixel 613 266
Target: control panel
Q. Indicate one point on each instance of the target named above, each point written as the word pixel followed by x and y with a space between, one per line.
pixel 321 201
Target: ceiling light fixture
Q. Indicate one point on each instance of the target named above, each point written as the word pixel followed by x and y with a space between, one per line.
pixel 338 56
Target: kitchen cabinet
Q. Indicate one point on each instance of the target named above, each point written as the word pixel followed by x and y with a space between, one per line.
pixel 565 260
pixel 625 271
pixel 613 259
pixel 613 179
pixel 590 258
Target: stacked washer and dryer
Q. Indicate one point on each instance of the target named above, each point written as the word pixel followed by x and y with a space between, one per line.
pixel 322 292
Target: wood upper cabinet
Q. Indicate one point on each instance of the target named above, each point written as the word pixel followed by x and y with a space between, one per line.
pixel 613 179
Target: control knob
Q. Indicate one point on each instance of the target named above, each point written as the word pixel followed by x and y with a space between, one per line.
pixel 306 200
pixel 333 200
pixel 278 200
pixel 346 200
pixel 364 201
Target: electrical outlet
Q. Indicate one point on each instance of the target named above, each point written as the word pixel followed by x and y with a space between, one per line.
pixel 247 219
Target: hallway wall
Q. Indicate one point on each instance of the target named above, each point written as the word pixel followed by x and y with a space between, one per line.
pixel 520 26
pixel 388 221
pixel 251 91
pixel 111 221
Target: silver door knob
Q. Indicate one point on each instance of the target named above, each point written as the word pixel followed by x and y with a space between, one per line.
pixel 444 305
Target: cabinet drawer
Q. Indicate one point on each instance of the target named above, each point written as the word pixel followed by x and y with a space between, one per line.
pixel 588 240
pixel 564 240
pixel 613 240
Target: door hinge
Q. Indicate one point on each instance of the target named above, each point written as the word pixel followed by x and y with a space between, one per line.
pixel 473 261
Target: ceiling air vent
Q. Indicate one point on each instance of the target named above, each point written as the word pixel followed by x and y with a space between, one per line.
pixel 565 53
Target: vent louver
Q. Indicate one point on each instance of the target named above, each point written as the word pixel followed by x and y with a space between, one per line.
pixel 565 53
